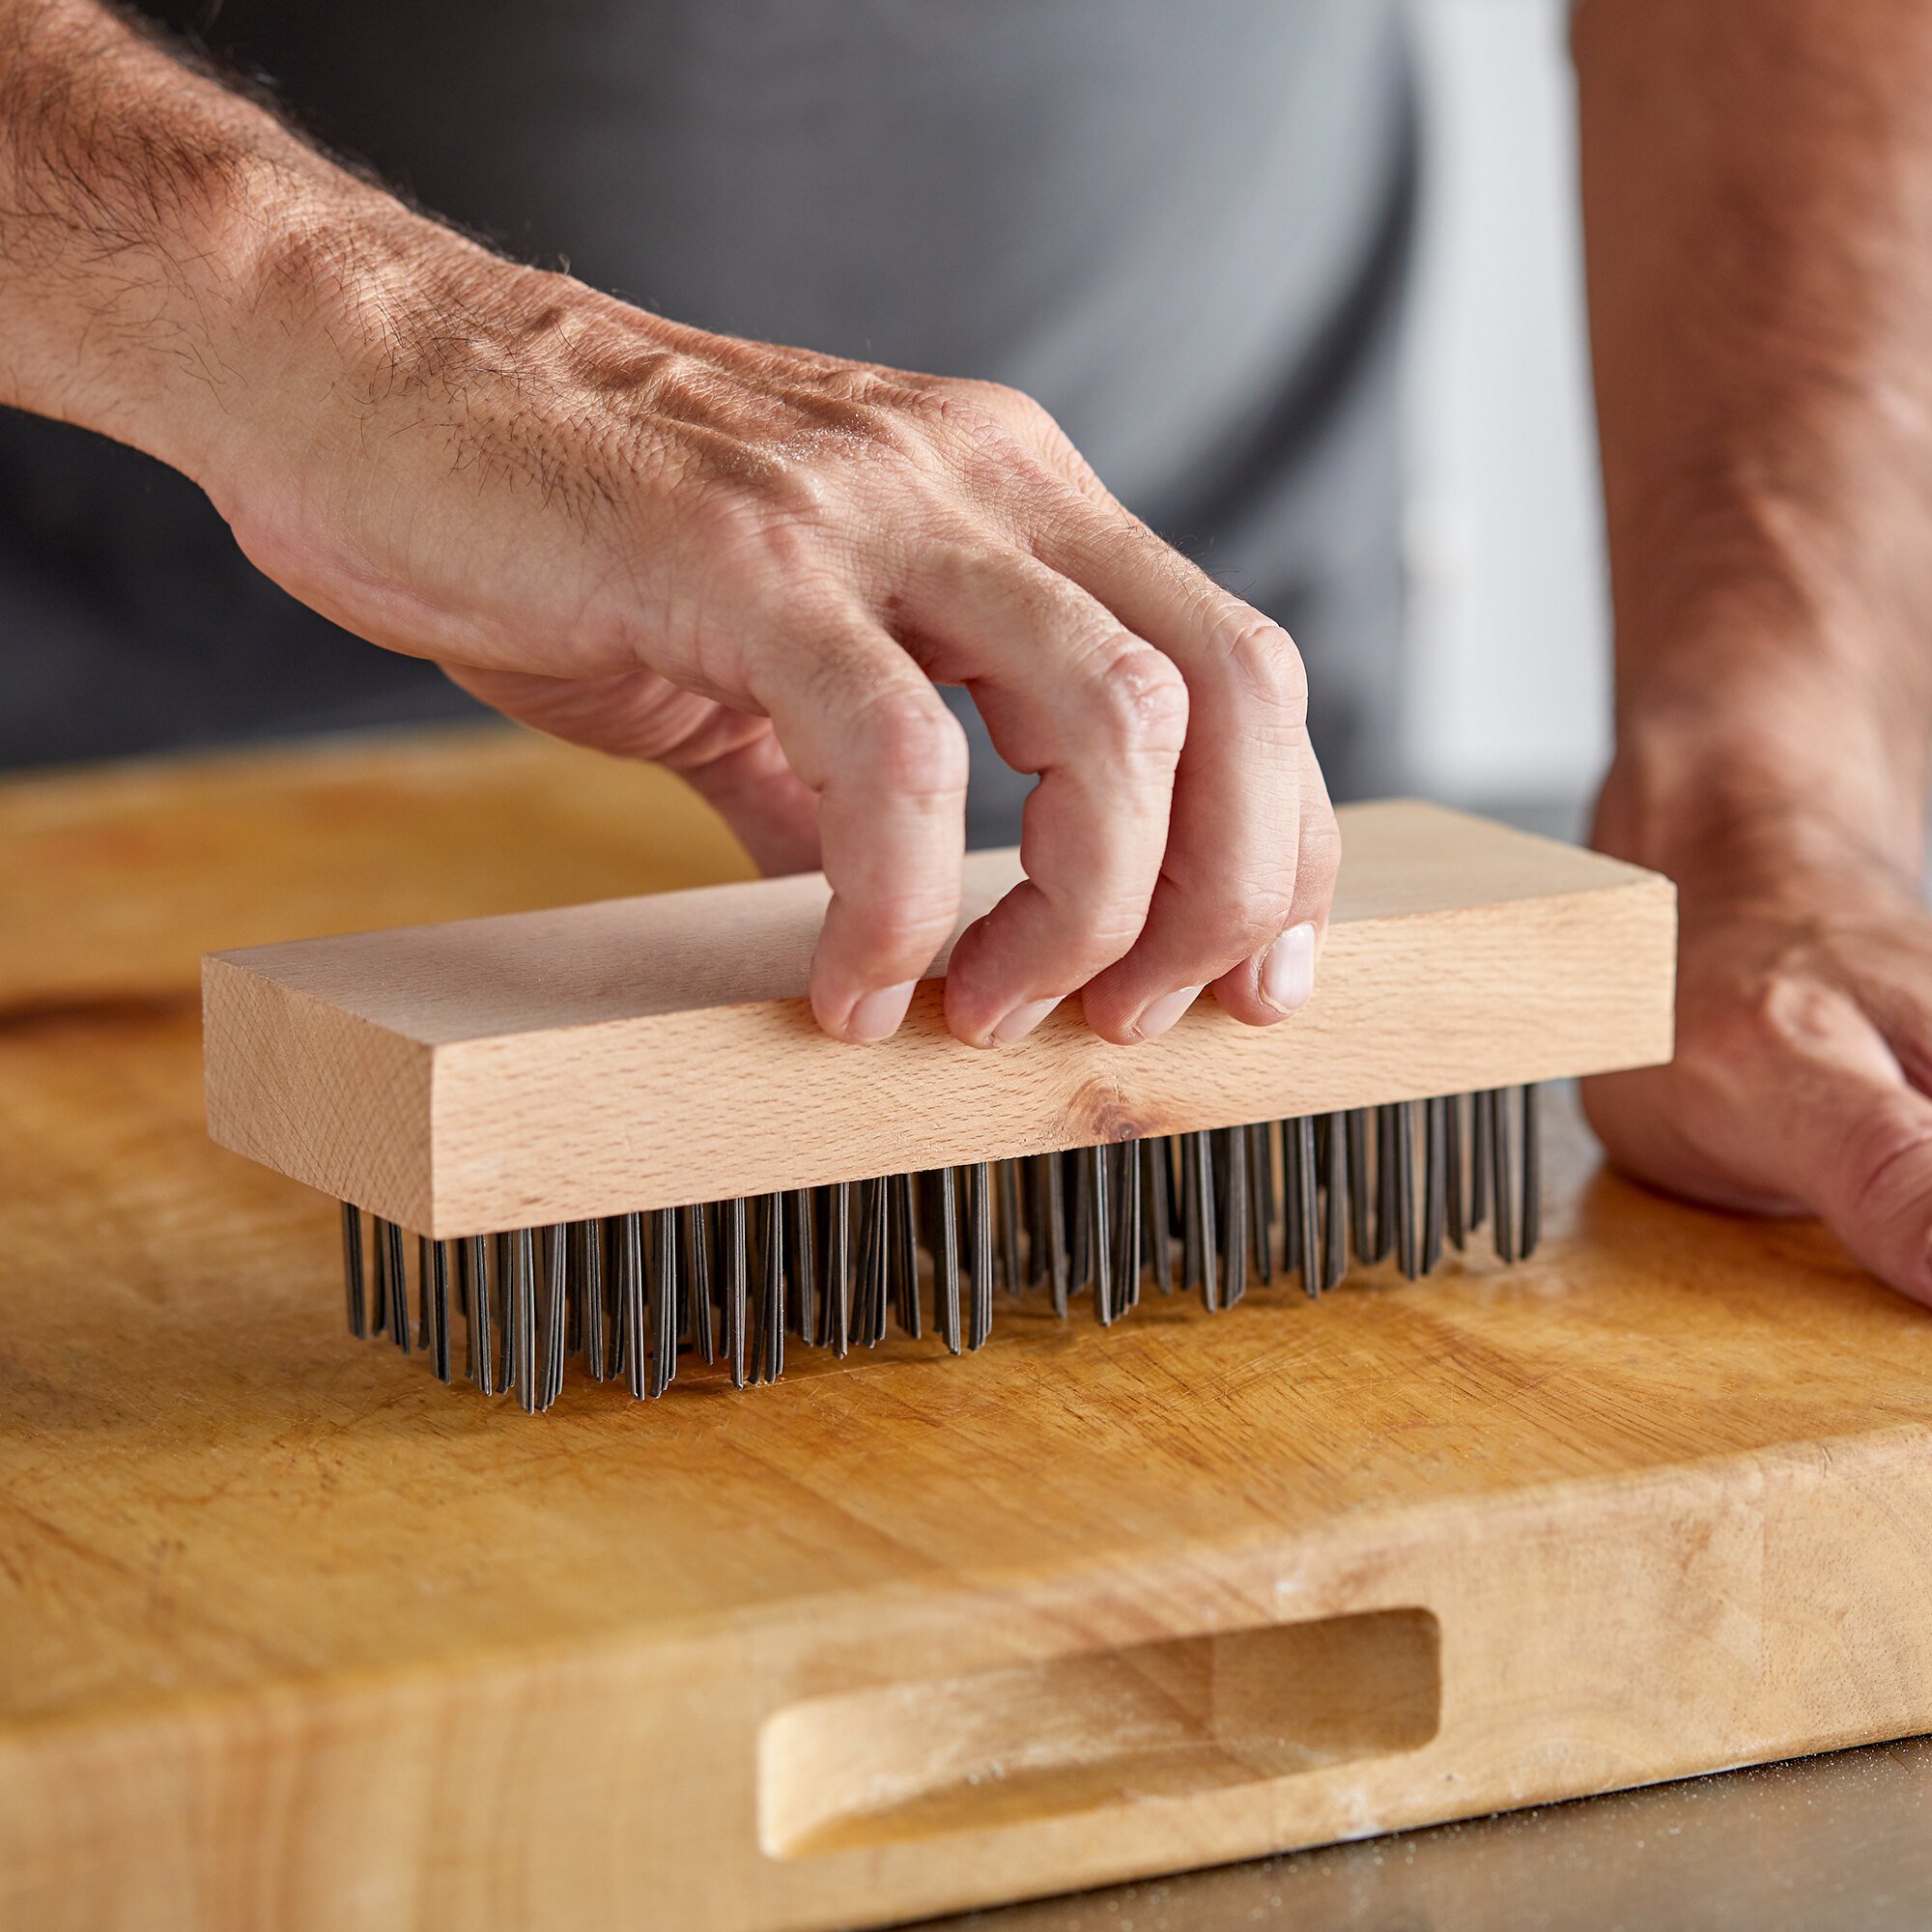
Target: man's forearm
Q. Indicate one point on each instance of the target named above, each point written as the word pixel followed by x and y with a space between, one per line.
pixel 142 208
pixel 1758 199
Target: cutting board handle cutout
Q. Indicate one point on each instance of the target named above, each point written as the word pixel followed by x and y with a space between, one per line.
pixel 1095 1729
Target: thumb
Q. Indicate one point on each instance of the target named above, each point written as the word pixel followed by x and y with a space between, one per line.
pixel 1850 1136
pixel 756 792
pixel 1810 1112
pixel 1874 1182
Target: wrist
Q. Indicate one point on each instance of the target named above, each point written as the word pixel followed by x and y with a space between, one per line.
pixel 362 309
pixel 1734 800
pixel 219 327
pixel 1773 693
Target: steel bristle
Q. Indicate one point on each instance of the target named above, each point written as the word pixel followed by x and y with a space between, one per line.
pixel 352 1269
pixel 980 1312
pixel 945 1259
pixel 836 1304
pixel 1409 1184
pixel 399 1284
pixel 1233 1215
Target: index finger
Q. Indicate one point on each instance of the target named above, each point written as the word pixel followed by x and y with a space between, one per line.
pixel 862 726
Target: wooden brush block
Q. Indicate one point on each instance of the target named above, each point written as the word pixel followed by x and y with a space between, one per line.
pixel 644 1053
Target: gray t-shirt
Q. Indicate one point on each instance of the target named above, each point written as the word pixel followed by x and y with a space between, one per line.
pixel 1185 229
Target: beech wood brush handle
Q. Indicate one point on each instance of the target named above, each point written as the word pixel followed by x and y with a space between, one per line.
pixel 594 1060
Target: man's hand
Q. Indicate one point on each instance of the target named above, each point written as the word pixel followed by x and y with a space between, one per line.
pixel 749 564
pixel 1804 1024
pixel 752 564
pixel 1757 185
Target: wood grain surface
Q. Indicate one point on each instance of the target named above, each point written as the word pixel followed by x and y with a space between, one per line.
pixel 118 878
pixel 293 1637
pixel 647 1052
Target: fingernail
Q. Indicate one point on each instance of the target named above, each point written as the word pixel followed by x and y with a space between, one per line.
pixel 1161 1014
pixel 1022 1020
pixel 877 1015
pixel 1288 969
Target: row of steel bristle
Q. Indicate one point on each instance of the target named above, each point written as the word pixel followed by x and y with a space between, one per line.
pixel 835 1266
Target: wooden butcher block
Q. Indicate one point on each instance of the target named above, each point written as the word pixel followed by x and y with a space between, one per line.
pixel 291 1637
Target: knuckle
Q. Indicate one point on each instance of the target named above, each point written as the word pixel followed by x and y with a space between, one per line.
pixel 1883 1157
pixel 991 430
pixel 1319 860
pixel 1239 926
pixel 1788 1012
pixel 1138 700
pixel 1090 920
pixel 1749 1024
pixel 912 745
pixel 1106 931
pixel 973 571
pixel 1003 404
pixel 1262 659
pixel 955 411
pixel 906 928
pixel 1028 416
pixel 1224 928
